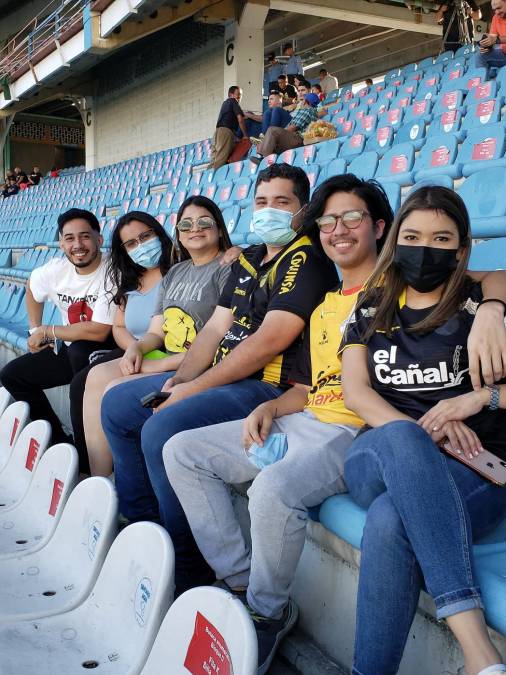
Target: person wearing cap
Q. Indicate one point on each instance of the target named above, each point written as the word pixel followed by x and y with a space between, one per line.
pixel 278 139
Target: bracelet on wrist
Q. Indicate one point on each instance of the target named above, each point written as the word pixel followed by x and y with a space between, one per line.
pixel 495 396
pixel 501 302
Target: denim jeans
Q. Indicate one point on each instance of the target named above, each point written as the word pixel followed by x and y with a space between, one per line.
pixel 136 437
pixel 424 510
pixel 495 57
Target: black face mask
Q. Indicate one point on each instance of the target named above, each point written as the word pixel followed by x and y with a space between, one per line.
pixel 424 268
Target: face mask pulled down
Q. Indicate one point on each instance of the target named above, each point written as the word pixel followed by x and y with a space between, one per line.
pixel 274 226
pixel 147 254
pixel 424 268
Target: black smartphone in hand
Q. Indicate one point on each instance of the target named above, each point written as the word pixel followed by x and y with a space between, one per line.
pixel 154 399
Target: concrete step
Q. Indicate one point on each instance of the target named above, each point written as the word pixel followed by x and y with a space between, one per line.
pixel 298 655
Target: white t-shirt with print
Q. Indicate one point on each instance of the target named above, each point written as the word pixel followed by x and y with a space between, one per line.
pixel 79 297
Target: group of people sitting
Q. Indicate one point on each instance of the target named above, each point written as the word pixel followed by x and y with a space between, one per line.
pixel 19 180
pixel 195 366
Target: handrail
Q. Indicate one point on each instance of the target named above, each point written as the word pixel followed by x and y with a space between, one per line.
pixel 37 35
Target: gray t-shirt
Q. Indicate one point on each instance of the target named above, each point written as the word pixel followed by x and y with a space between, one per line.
pixel 188 296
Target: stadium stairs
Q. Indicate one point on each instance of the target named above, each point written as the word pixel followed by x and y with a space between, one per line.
pixel 441 121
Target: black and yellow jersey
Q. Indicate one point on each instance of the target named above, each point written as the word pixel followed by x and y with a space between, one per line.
pixel 318 364
pixel 294 281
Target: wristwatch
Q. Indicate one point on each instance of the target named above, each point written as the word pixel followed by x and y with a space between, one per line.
pixel 494 396
pixel 31 331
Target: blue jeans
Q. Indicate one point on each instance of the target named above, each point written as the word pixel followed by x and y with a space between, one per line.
pixel 136 437
pixel 424 510
pixel 494 57
pixel 275 117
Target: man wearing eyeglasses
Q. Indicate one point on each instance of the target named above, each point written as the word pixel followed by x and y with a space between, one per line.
pixel 75 284
pixel 241 357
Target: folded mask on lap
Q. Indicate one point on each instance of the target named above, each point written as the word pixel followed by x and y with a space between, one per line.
pixel 273 449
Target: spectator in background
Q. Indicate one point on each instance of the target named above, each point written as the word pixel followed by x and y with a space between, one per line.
pixel 293 65
pixel 11 187
pixel 279 139
pixel 230 119
pixel 274 116
pixel 368 81
pixel 287 91
pixel 328 82
pixel 316 89
pixel 493 46
pixel 273 70
pixel 446 16
pixel 35 177
pixel 54 173
pixel 21 177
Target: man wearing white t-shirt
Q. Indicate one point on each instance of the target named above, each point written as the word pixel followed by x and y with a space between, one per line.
pixel 75 284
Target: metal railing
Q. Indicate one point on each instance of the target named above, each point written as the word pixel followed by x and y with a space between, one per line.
pixel 41 32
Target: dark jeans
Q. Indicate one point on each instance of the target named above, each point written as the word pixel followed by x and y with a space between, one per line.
pixel 136 437
pixel 77 387
pixel 424 509
pixel 27 376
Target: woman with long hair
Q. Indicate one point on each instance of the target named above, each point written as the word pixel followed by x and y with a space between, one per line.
pixel 161 306
pixel 405 372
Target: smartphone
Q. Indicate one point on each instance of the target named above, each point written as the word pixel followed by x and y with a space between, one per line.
pixel 489 466
pixel 154 399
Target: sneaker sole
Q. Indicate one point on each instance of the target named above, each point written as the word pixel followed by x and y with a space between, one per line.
pixel 292 620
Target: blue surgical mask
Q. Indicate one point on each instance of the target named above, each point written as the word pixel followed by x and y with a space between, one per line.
pixel 273 449
pixel 147 254
pixel 274 226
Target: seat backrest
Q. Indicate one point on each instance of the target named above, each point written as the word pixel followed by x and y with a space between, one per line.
pixel 392 117
pixel 12 422
pixel 484 112
pixel 328 150
pixel 488 255
pixel 438 151
pixel 354 145
pixel 448 122
pixel 367 124
pixel 419 109
pixel 364 166
pixel 448 100
pixel 334 168
pixel 393 192
pixel 483 143
pixel 224 191
pixel 5 400
pixel 412 131
pixel 397 160
pixel 29 448
pixel 482 92
pixel 483 193
pixel 381 139
pixel 231 218
pixel 133 591
pixel 205 627
pixel 312 172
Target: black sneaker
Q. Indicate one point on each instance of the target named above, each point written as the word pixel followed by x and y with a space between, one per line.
pixel 270 632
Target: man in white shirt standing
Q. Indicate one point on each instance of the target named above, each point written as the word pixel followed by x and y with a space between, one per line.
pixel 328 82
pixel 75 284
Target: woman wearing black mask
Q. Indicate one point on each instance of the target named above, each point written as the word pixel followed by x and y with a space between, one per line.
pixel 405 372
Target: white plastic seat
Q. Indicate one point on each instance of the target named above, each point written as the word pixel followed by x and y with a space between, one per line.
pixel 32 522
pixel 18 472
pixel 114 629
pixel 60 576
pixel 12 422
pixel 203 625
pixel 5 399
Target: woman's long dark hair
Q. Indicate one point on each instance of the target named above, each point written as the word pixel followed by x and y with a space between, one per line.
pixel 125 275
pixel 180 253
pixel 388 276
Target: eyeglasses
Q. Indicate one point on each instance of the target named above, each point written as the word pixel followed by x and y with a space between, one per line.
pixel 202 223
pixel 141 239
pixel 350 219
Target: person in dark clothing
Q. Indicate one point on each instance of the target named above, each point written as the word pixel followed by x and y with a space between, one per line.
pixel 35 177
pixel 11 187
pixel 230 119
pixel 447 17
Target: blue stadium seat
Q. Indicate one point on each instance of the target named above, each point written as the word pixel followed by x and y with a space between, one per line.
pixel 332 96
pixel 413 132
pixel 241 190
pixel 328 150
pixel 466 51
pixel 306 155
pixel 288 157
pixel 449 122
pixel 448 100
pixel 443 181
pixel 482 92
pixel 479 114
pixel 231 217
pixel 438 157
pixel 334 168
pixel 484 147
pixel 392 117
pixel 364 166
pixel 367 124
pixel 471 79
pixel 419 110
pixel 379 107
pixel 444 57
pixel 487 256
pixel 312 172
pixel 381 140
pixel 346 128
pixel 483 193
pixel 353 145
pixel 426 63
pixel 501 81
pixel 239 235
pixel 397 164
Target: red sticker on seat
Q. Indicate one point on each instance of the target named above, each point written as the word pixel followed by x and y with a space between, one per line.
pixel 449 117
pixel 403 102
pixel 485 149
pixel 367 122
pixel 473 82
pixel 359 114
pixel 352 105
pixel 356 140
pixel 207 652
pixel 454 75
pixel 389 94
pixel 347 126
pixel 242 191
pixel 484 110
pixel 431 82
pixel 308 151
pixel 225 193
pixel 450 99
pixel 348 95
pixel 15 427
pixel 56 496
pixel 382 135
pixel 419 107
pixel 483 90
pixel 399 164
pixel 31 455
pixel 440 156
pixel 394 115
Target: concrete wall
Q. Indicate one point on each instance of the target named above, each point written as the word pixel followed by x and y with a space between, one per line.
pixel 179 106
